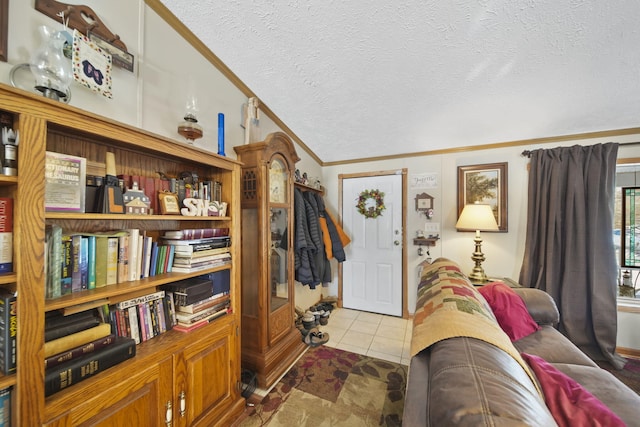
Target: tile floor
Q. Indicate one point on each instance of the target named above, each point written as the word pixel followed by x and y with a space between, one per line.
pixel 375 335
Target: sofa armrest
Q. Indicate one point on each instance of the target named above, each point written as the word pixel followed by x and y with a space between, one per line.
pixel 540 305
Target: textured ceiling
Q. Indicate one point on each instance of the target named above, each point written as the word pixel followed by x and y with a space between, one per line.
pixel 363 79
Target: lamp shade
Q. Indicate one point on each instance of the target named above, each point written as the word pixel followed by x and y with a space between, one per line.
pixel 477 217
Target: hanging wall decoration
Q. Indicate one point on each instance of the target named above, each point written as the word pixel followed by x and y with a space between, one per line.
pixel 371 203
pixel 91 65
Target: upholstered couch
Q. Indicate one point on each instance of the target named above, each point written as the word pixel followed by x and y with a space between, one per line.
pixel 464 373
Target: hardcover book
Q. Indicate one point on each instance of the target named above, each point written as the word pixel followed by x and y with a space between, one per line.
pixel 8 331
pixel 67 265
pixel 53 238
pixel 77 370
pixel 6 234
pixel 112 261
pixel 5 407
pixel 68 328
pixel 76 274
pixel 79 351
pixel 73 340
pixel 65 182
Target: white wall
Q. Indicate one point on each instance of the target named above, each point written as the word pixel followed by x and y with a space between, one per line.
pixel 167 70
pixel 503 251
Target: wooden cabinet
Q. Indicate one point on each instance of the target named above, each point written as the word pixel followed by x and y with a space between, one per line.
pixel 270 340
pixel 192 376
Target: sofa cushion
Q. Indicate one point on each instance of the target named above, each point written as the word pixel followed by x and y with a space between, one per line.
pixel 509 309
pixel 467 382
pixel 553 347
pixel 569 402
pixel 541 306
pixel 603 385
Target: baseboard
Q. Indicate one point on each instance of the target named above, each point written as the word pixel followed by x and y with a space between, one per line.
pixel 631 353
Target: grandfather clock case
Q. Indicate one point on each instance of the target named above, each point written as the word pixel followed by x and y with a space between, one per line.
pixel 270 340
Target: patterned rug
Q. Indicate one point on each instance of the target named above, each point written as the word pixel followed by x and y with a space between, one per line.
pixel 331 387
pixel 630 374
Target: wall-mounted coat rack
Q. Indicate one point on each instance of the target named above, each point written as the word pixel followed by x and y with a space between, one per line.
pixel 81 18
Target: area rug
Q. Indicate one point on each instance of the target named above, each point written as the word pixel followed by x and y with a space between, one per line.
pixel 630 374
pixel 332 387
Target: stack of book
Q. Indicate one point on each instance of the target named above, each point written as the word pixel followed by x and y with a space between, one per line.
pixel 142 318
pixel 198 249
pixel 78 346
pixel 200 300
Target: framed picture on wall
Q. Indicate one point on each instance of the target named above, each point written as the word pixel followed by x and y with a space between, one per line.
pixel 485 184
pixel 4 28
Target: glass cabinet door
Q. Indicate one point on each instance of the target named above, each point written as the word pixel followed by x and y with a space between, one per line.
pixel 278 181
pixel 278 222
pixel 278 259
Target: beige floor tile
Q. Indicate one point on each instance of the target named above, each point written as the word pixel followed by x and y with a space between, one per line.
pixel 387 346
pixel 406 349
pixel 352 348
pixel 384 356
pixel 370 317
pixel 357 339
pixel 345 313
pixel 341 322
pixel 390 332
pixel 335 332
pixel 395 322
pixel 362 326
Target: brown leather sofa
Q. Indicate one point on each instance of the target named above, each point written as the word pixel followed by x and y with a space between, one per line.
pixel 465 381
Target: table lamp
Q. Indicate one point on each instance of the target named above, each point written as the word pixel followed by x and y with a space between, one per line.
pixel 477 217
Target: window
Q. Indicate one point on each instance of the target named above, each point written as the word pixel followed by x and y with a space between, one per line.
pixel 627 175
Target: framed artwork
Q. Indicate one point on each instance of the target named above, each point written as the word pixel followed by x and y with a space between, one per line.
pixel 4 28
pixel 485 184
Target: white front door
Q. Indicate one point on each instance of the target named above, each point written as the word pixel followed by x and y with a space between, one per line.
pixel 372 273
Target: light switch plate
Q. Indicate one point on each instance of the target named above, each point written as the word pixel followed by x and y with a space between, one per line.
pixel 432 227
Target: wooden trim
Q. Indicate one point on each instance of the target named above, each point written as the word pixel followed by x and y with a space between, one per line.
pixel 404 172
pixel 4 29
pixel 631 353
pixel 198 45
pixel 509 144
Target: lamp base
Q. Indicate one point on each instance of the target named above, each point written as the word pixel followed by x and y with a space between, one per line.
pixel 478 276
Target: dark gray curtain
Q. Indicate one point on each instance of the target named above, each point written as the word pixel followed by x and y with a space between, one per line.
pixel 569 250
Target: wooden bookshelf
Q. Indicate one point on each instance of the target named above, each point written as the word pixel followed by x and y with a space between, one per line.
pixel 197 371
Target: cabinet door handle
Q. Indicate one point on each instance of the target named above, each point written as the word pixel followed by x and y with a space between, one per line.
pixel 168 416
pixel 183 403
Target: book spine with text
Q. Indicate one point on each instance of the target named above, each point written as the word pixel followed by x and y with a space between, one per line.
pixel 8 332
pixel 73 340
pixel 6 234
pixel 77 370
pixel 76 352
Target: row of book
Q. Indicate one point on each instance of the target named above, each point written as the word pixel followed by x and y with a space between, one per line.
pixel 79 261
pixel 142 318
pixel 79 345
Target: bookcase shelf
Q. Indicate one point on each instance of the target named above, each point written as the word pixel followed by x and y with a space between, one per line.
pixel 8 180
pixel 114 293
pixel 130 217
pixel 8 278
pixel 203 365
